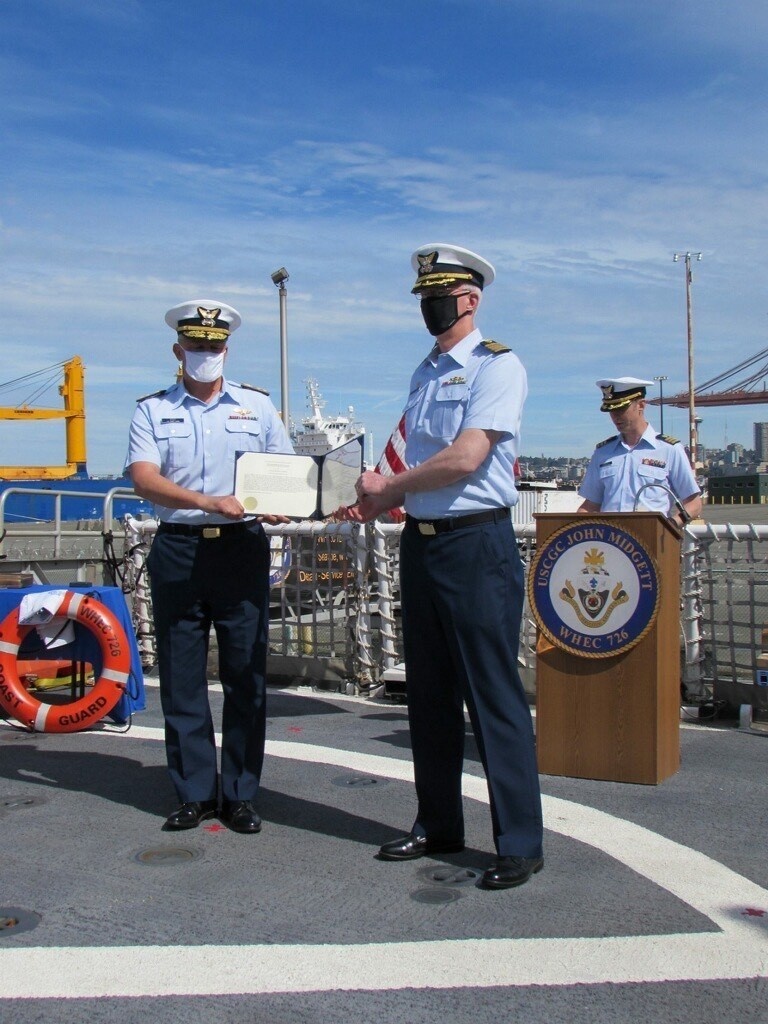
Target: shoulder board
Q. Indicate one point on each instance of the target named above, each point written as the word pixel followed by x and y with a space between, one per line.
pixel 155 394
pixel 494 347
pixel 252 387
pixel 607 440
pixel 668 439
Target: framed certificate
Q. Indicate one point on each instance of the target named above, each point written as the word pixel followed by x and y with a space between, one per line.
pixel 298 486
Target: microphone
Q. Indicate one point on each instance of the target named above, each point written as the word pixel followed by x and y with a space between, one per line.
pixel 685 518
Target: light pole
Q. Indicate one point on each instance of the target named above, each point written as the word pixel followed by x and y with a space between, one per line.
pixel 688 256
pixel 279 277
pixel 661 400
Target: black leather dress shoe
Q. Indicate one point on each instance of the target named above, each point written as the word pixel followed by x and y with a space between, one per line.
pixel 189 815
pixel 241 816
pixel 508 872
pixel 412 846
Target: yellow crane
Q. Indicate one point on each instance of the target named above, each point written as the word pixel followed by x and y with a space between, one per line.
pixel 73 413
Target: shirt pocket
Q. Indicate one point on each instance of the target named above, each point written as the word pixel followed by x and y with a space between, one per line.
pixel 447 411
pixel 176 443
pixel 244 435
pixel 607 472
pixel 647 477
pixel 650 474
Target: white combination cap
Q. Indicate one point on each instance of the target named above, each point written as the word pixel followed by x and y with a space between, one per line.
pixel 204 319
pixel 621 391
pixel 440 263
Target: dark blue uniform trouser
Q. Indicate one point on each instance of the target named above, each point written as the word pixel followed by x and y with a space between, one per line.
pixel 224 582
pixel 462 600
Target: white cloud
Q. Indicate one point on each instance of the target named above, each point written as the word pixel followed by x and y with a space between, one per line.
pixel 115 206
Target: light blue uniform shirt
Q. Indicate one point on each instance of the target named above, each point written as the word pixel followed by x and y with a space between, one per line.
pixel 194 443
pixel 468 387
pixel 616 474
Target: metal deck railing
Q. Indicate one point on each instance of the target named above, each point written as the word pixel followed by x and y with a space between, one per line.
pixel 335 603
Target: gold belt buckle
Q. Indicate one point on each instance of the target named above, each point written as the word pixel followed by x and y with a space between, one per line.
pixel 211 532
pixel 427 530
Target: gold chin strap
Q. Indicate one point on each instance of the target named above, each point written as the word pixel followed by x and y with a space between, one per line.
pixel 612 404
pixel 438 279
pixel 204 333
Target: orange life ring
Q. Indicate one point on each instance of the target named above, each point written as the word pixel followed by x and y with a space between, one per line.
pixel 107 690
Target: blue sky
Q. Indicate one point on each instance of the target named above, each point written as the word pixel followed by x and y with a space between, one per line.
pixel 160 150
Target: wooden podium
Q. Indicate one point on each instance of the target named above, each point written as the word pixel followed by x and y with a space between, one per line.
pixel 615 718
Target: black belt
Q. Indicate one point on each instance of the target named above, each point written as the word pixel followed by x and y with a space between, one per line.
pixel 429 527
pixel 209 532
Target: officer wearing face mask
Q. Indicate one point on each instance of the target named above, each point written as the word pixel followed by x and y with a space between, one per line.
pixel 208 566
pixel 461 577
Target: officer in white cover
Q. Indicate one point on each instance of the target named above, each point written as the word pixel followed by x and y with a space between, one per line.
pixel 461 576
pixel 638 467
pixel 208 565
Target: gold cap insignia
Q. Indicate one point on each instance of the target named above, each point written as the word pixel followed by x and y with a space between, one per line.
pixel 208 316
pixel 427 262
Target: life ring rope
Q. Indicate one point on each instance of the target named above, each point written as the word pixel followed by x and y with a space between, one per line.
pixel 76 715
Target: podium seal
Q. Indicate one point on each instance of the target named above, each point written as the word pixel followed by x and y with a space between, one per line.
pixel 593 589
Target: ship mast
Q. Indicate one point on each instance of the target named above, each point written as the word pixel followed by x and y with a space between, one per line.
pixel 315 403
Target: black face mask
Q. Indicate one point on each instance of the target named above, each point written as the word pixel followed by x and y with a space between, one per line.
pixel 441 312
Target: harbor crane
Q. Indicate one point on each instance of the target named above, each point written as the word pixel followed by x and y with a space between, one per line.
pixel 750 390
pixel 73 392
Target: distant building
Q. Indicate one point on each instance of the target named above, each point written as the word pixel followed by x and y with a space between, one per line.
pixel 735 453
pixel 738 489
pixel 761 442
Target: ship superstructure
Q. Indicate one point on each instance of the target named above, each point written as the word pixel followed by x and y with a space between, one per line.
pixel 320 433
